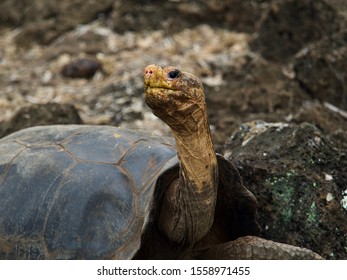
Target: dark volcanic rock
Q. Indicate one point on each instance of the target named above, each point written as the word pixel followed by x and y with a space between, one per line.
pixel 176 15
pixel 329 119
pixel 40 114
pixel 290 24
pixel 299 179
pixel 321 69
pixel 45 20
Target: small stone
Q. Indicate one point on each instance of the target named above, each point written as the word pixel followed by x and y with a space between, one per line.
pixel 81 68
pixel 344 200
pixel 329 197
pixel 328 177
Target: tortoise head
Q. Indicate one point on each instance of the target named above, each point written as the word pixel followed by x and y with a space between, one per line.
pixel 174 96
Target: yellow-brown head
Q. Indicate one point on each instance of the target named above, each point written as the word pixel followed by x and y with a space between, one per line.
pixel 174 96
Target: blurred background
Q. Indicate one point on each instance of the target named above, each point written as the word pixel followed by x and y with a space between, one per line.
pixel 261 62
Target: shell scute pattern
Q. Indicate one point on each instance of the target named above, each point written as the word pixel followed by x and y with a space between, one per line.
pixel 93 189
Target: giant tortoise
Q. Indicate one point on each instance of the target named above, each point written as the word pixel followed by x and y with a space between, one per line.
pixel 101 192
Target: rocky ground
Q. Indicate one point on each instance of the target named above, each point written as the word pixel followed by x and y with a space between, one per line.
pixel 275 82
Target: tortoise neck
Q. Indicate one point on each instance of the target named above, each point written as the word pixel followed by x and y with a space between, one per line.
pixel 190 204
pixel 195 148
pixel 197 160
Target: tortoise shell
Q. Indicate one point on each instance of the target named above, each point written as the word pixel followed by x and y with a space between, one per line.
pixel 90 192
pixel 77 191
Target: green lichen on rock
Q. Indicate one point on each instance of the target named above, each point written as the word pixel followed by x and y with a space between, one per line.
pixel 288 193
pixel 312 215
pixel 283 190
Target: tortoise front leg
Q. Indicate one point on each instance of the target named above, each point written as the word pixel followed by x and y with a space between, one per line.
pixel 256 248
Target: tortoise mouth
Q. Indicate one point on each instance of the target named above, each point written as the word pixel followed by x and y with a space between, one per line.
pixel 159 88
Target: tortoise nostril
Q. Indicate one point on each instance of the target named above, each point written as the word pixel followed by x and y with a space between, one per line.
pixel 149 72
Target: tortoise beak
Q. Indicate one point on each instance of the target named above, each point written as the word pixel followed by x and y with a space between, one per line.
pixel 152 75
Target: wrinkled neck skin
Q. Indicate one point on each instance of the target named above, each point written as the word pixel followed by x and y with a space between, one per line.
pixel 188 205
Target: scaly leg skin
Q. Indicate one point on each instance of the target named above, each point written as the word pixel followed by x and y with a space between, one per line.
pixel 256 248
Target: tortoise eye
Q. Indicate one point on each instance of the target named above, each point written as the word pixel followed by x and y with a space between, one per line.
pixel 174 74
